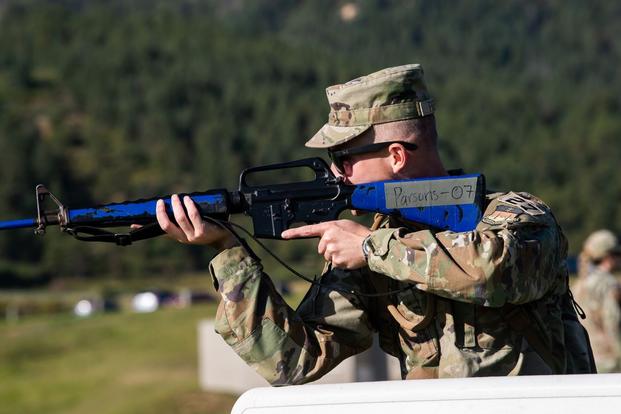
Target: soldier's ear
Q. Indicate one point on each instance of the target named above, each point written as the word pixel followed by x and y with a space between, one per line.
pixel 398 157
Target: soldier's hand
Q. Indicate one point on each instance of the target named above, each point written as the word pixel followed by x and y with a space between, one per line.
pixel 190 227
pixel 340 241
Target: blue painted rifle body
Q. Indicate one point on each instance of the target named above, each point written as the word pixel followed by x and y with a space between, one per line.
pixel 448 203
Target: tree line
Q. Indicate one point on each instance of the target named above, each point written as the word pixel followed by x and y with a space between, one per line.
pixel 106 101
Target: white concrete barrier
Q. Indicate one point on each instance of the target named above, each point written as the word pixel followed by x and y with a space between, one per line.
pixel 222 370
pixel 569 394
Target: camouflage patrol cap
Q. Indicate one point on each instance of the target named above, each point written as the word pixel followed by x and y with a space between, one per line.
pixel 600 244
pixel 392 94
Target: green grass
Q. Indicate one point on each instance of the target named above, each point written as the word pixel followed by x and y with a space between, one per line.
pixel 111 363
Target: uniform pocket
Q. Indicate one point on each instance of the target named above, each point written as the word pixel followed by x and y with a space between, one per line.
pixel 491 330
pixel 415 310
pixel 415 313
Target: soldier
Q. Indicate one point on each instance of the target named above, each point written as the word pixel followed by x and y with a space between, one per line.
pixel 484 302
pixel 599 293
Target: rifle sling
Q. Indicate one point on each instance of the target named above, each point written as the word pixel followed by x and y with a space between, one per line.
pixel 95 234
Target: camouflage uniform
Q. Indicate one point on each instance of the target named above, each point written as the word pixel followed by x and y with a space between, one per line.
pixel 597 294
pixel 446 325
pixel 451 316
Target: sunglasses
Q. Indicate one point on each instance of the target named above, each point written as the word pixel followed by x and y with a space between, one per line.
pixel 340 156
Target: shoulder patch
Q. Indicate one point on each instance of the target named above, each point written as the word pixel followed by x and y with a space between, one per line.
pixel 503 214
pixel 526 205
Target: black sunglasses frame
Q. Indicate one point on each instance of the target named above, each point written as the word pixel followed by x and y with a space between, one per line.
pixel 337 157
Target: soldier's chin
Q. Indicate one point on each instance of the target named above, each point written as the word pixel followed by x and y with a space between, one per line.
pixel 358 212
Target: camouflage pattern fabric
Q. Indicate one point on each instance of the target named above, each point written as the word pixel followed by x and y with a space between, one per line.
pixel 596 294
pixel 446 323
pixel 388 95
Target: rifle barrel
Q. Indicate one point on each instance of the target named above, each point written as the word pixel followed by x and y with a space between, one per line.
pixel 17 224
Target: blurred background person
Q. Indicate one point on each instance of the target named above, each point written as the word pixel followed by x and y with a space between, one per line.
pixel 599 293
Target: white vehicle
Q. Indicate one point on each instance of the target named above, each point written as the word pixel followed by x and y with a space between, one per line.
pixel 566 394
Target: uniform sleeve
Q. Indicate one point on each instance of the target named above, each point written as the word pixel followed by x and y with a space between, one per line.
pixel 611 317
pixel 283 345
pixel 515 255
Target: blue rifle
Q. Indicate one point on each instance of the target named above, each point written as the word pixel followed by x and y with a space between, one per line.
pixel 446 203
